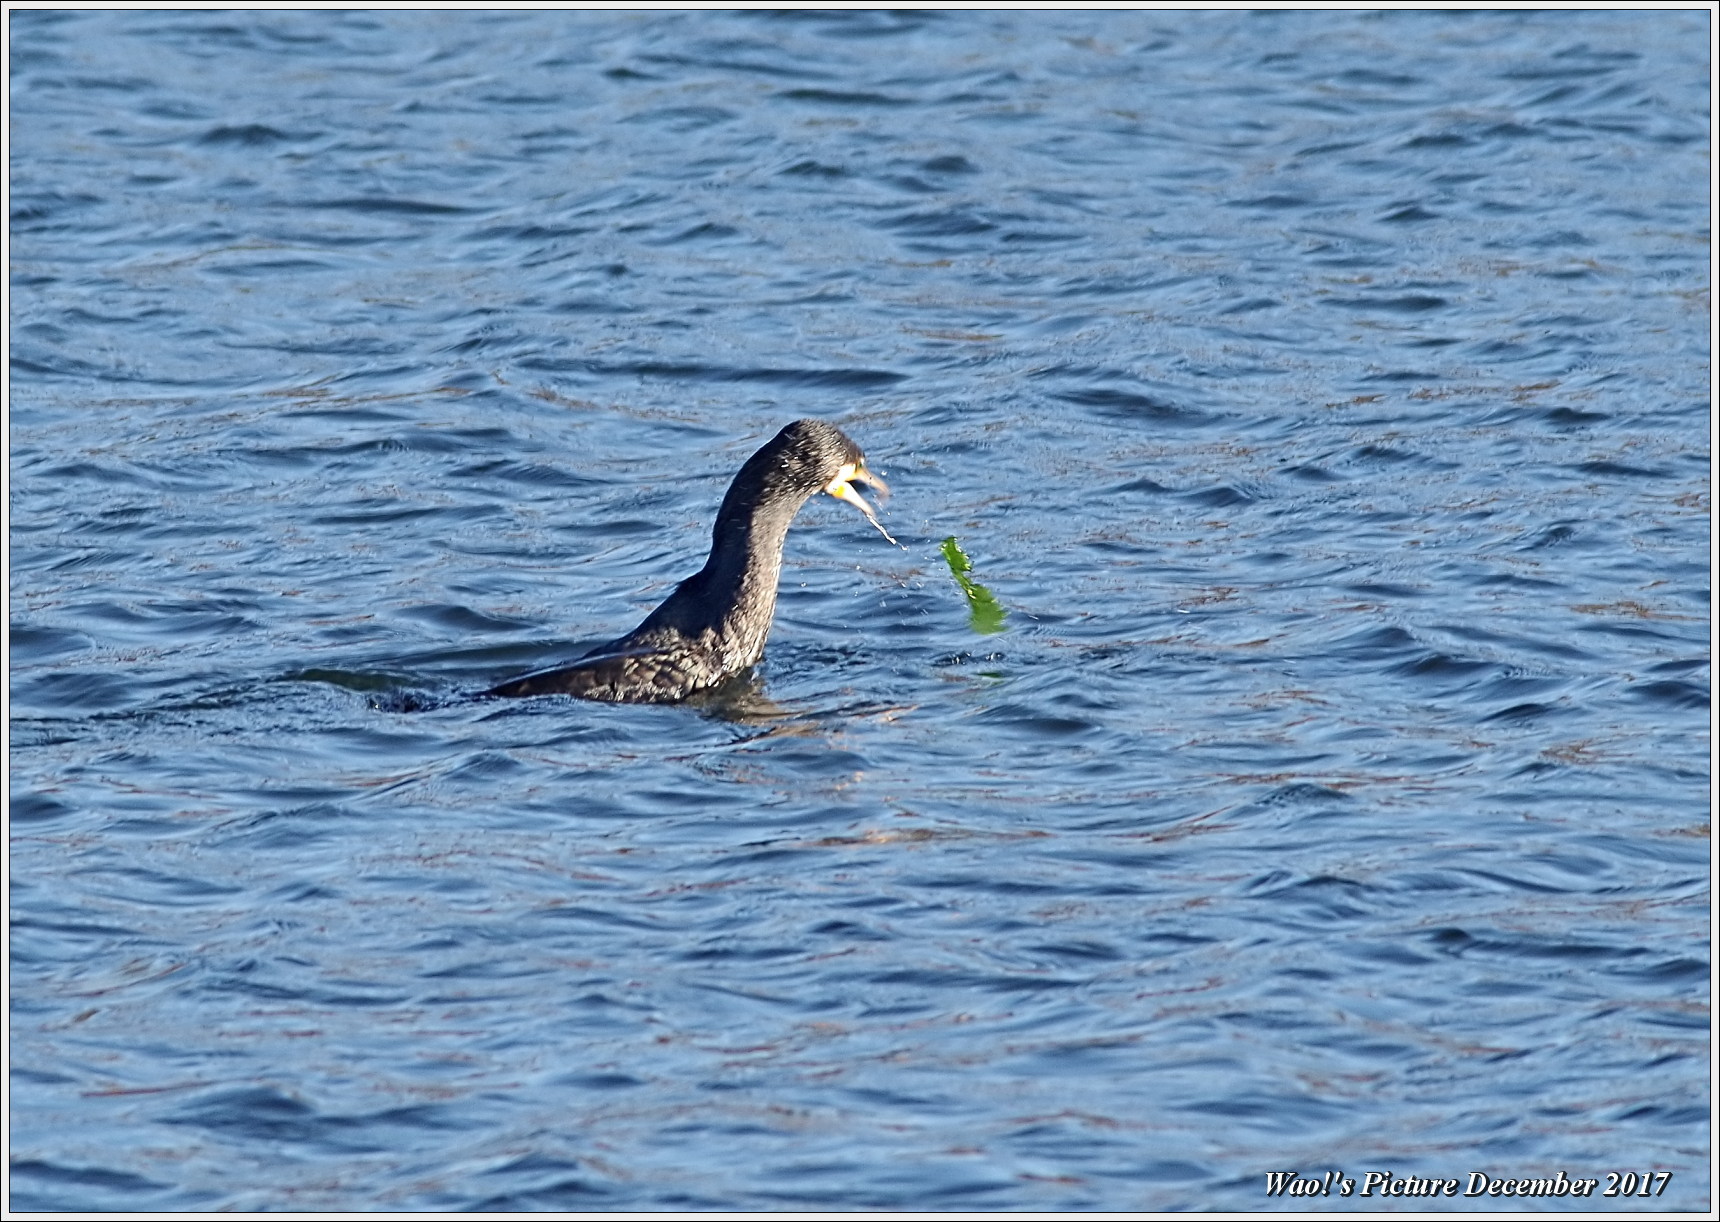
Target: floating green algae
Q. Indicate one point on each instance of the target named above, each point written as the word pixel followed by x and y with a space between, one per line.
pixel 985 613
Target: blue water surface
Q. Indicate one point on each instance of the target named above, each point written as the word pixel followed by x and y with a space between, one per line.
pixel 1322 395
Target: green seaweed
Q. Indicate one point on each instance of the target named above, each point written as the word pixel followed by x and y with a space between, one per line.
pixel 985 613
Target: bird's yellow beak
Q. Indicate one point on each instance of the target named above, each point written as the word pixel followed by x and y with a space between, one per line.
pixel 842 488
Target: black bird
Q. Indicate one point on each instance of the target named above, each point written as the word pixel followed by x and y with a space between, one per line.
pixel 715 623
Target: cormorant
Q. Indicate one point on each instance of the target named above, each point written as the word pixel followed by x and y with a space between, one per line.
pixel 715 623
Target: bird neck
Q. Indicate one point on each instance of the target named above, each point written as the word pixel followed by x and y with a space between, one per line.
pixel 744 567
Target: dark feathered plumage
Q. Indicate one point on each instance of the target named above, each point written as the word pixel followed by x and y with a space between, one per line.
pixel 715 623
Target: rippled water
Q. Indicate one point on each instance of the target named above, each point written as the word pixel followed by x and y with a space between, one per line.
pixel 1323 396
